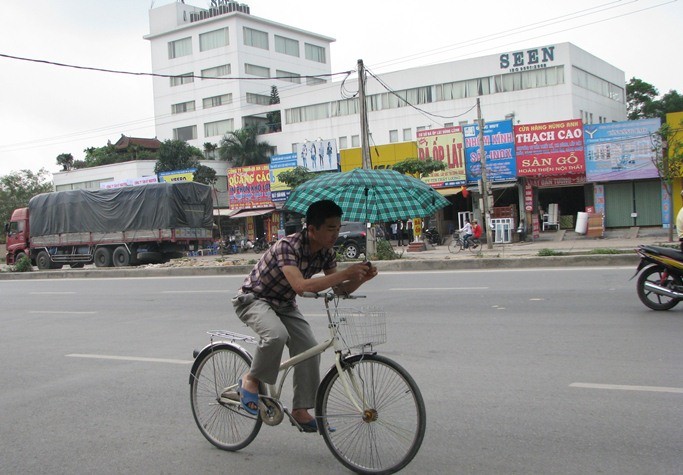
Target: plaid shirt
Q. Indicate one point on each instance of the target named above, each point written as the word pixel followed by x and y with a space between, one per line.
pixel 268 282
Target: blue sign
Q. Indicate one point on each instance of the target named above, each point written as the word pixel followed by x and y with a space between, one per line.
pixel 499 147
pixel 279 163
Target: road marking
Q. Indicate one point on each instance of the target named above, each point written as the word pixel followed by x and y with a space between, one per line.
pixel 438 288
pixel 60 312
pixel 657 389
pixel 51 293
pixel 130 358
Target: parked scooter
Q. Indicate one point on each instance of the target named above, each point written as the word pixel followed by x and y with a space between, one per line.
pixel 660 284
pixel 432 236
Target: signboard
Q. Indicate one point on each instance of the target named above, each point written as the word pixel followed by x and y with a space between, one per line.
pixel 446 145
pixel 249 187
pixel 621 150
pixel 319 155
pixel 145 180
pixel 550 148
pixel 499 147
pixel 280 163
pixel 177 175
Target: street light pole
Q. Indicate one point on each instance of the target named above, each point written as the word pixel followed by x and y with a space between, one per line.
pixel 484 183
pixel 370 242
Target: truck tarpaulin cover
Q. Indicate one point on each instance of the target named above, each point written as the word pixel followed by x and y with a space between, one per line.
pixel 156 206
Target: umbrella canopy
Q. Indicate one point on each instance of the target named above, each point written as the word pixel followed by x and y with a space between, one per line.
pixel 369 195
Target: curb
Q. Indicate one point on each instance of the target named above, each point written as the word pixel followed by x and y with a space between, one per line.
pixel 597 260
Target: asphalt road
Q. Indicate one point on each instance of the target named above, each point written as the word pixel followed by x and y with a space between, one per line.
pixel 523 371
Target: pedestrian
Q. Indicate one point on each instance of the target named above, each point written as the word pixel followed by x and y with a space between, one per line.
pixel 476 230
pixel 399 235
pixel 466 233
pixel 394 229
pixel 409 228
pixel 266 302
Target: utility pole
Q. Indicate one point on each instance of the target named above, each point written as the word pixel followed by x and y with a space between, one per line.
pixel 484 188
pixel 370 239
pixel 364 134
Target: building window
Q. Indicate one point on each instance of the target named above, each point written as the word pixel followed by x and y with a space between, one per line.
pixel 257 99
pixel 286 46
pixel 315 53
pixel 448 124
pixel 314 81
pixel 306 113
pixel 407 135
pixel 220 127
pixel 182 79
pixel 215 101
pixel 256 70
pixel 185 133
pixel 179 48
pixel 214 39
pixel 355 140
pixel 287 76
pixel 393 136
pixel 182 107
pixel 343 142
pixel 218 71
pixel 345 107
pixel 422 127
pixel 255 38
pixel 598 85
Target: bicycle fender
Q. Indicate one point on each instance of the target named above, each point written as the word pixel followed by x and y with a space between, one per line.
pixel 213 347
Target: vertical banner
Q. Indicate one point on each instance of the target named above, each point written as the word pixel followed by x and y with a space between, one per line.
pixel 279 191
pixel 499 147
pixel 319 155
pixel 446 145
pixel 249 187
pixel 621 150
pixel 550 148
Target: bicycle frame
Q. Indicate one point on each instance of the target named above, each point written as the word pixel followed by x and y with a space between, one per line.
pixel 274 391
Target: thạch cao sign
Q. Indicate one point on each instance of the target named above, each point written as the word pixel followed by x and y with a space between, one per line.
pixel 550 148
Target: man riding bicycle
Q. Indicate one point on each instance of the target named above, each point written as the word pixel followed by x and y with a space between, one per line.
pixel 266 303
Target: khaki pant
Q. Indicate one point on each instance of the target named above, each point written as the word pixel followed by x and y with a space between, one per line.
pixel 277 327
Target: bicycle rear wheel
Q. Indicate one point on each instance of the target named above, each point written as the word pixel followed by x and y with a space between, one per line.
pixel 227 426
pixel 386 436
pixel 475 245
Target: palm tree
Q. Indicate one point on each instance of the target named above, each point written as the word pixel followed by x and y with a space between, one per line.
pixel 241 148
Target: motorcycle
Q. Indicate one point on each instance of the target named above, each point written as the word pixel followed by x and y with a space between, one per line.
pixel 432 236
pixel 660 284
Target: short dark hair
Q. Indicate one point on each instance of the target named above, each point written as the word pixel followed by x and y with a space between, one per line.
pixel 319 211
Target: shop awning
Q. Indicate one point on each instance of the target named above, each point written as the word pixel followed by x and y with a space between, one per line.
pixel 225 212
pixel 448 191
pixel 244 213
pixel 493 186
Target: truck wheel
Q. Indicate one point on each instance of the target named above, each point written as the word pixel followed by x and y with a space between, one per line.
pixel 121 257
pixel 43 260
pixel 103 257
pixel 19 256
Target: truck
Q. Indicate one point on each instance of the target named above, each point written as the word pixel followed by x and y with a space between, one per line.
pixel 111 227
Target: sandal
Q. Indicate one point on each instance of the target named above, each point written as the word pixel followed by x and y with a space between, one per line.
pixel 248 399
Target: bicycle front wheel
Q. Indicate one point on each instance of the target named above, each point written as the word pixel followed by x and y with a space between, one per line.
pixel 454 246
pixel 387 434
pixel 216 372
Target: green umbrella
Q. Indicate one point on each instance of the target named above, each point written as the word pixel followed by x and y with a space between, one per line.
pixel 372 196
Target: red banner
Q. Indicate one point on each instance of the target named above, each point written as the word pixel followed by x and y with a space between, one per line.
pixel 249 187
pixel 550 148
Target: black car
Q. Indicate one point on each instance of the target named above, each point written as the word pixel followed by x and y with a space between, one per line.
pixel 351 240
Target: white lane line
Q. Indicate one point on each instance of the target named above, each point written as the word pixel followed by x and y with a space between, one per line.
pixel 401 289
pixel 621 387
pixel 60 312
pixel 52 293
pixel 130 358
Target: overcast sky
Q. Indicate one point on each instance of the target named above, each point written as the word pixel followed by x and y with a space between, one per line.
pixel 47 110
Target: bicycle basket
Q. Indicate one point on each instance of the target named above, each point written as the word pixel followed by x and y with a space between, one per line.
pixel 356 328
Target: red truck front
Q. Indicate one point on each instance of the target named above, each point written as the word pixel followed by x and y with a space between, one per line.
pixel 17 236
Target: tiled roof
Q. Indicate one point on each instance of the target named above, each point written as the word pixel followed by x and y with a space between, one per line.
pixel 149 144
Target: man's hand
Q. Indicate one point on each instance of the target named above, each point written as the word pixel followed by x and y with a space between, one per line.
pixel 360 272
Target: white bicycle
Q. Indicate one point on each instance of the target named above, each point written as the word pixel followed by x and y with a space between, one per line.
pixel 368 408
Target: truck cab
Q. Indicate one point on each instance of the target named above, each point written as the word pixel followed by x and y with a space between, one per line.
pixel 17 236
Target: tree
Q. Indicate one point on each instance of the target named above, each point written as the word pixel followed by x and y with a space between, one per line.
pixel 210 150
pixel 640 99
pixel 274 117
pixel 670 102
pixel 296 176
pixel 66 160
pixel 417 167
pixel 241 148
pixel 17 188
pixel 177 155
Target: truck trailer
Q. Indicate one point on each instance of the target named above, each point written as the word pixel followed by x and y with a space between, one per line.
pixel 113 227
